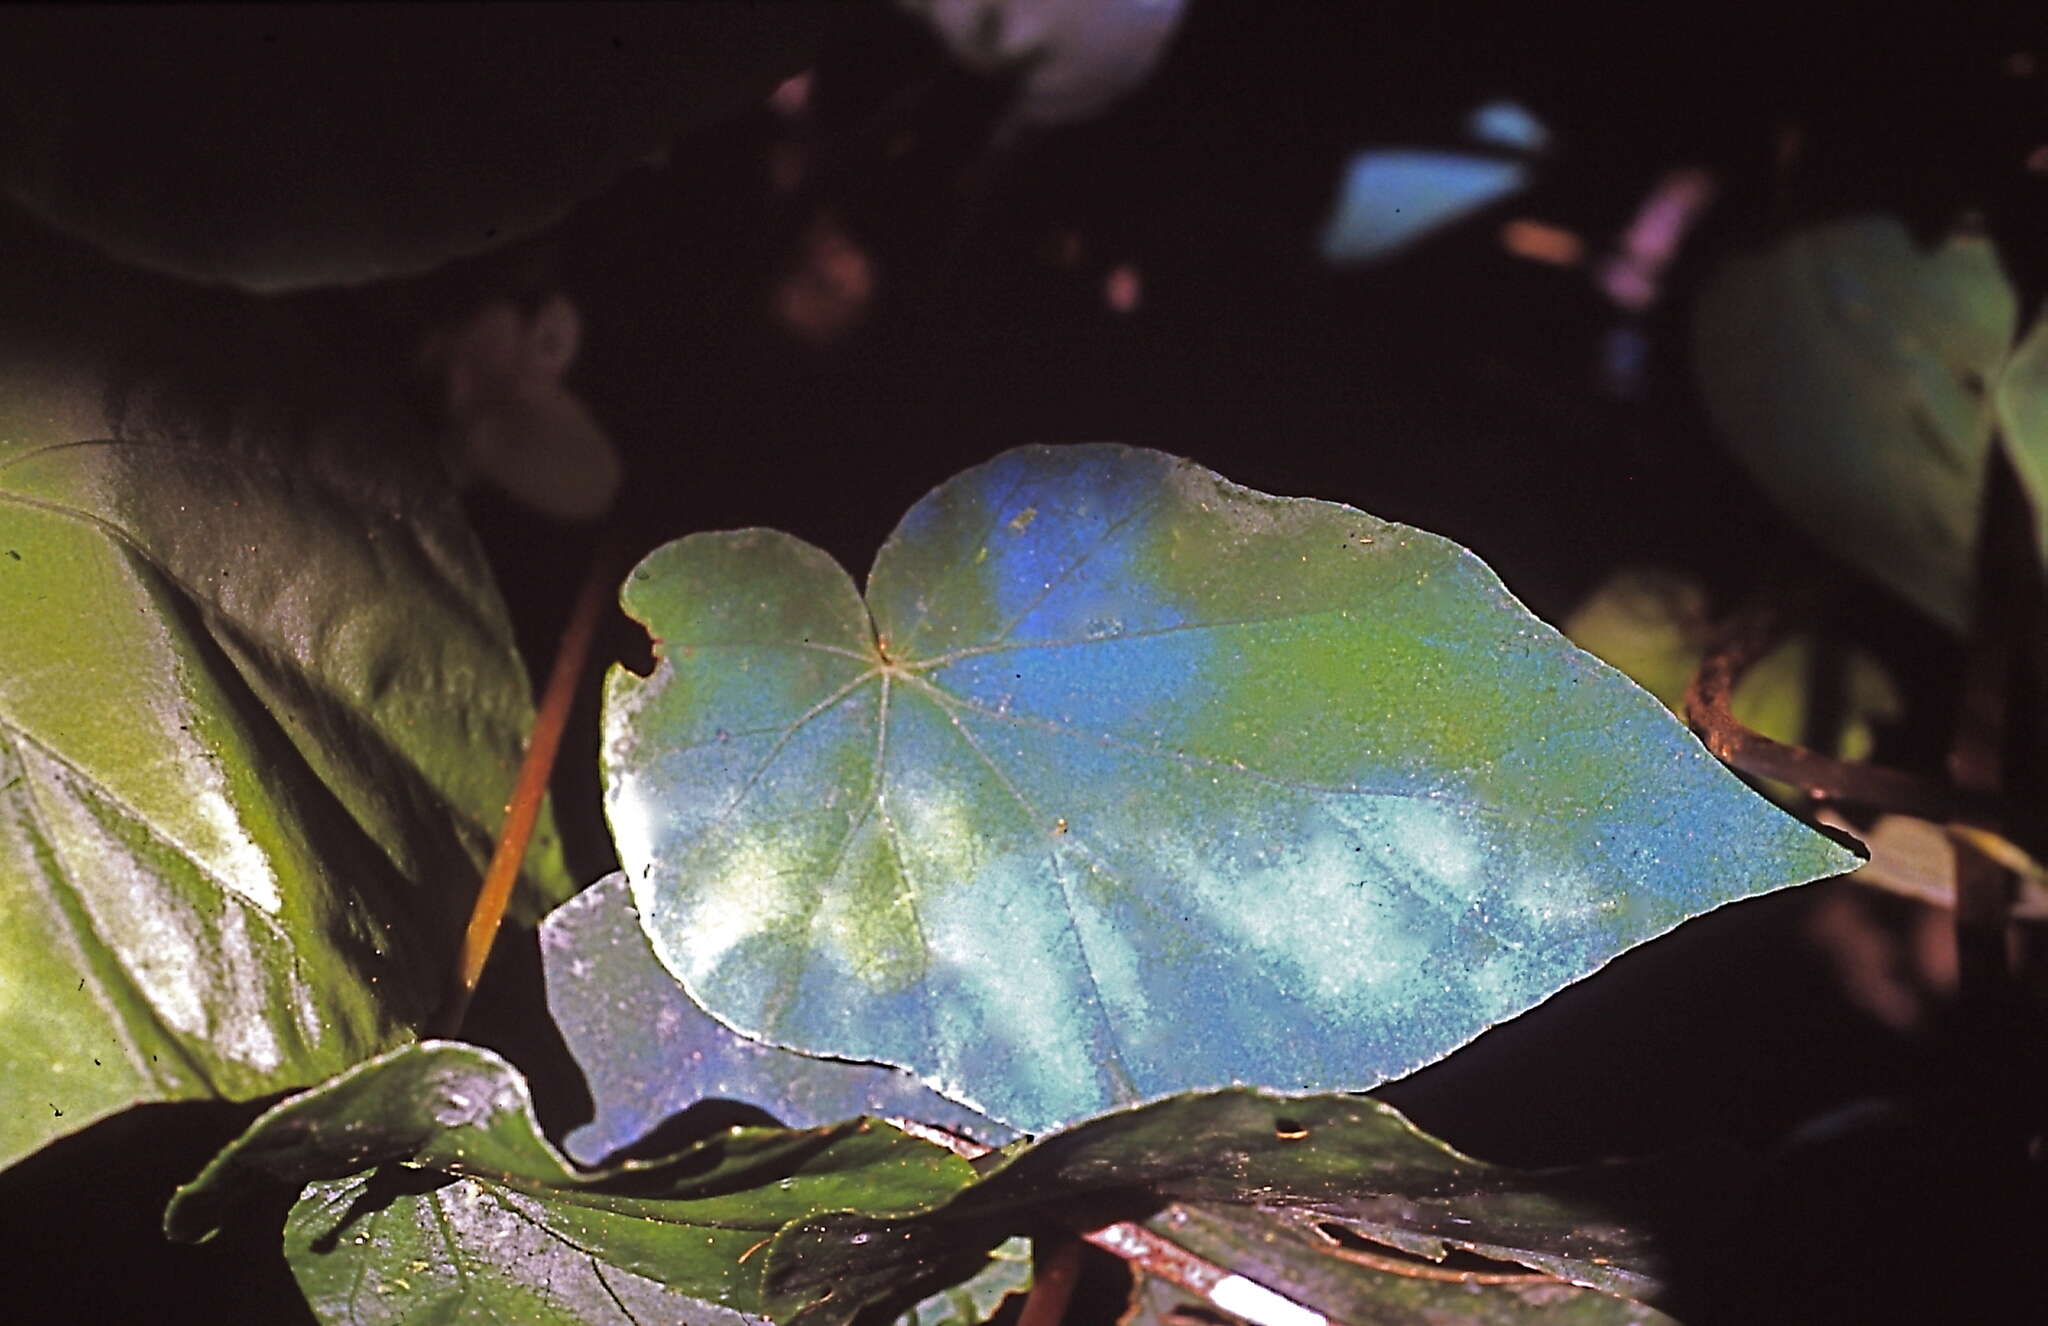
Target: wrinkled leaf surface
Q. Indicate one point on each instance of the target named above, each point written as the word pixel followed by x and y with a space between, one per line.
pixel 470 1211
pixel 1125 781
pixel 259 713
pixel 1347 1161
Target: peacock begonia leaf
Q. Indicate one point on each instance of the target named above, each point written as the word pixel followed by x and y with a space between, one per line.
pixel 1127 781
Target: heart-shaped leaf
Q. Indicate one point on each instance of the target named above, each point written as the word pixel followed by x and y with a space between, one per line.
pixel 434 1197
pixel 1861 379
pixel 1126 781
pixel 259 712
pixel 648 1052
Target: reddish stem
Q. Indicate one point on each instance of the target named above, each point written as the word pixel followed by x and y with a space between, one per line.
pixel 529 792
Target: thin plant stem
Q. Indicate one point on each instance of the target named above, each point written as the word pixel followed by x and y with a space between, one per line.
pixel 529 791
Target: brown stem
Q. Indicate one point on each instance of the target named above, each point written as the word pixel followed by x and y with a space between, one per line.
pixel 1739 645
pixel 529 791
pixel 2004 611
pixel 1052 1284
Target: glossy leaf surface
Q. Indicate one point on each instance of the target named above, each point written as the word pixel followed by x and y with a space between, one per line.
pixel 648 1052
pixel 1861 378
pixel 259 712
pixel 1127 781
pixel 468 1210
pixel 1343 1161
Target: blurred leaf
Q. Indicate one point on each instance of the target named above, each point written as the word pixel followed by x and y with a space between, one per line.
pixel 1916 859
pixel 1301 1161
pixel 1392 197
pixel 1507 124
pixel 1654 626
pixel 299 145
pixel 1861 379
pixel 1265 1249
pixel 259 713
pixel 1137 781
pixel 434 1197
pixel 1073 59
pixel 648 1052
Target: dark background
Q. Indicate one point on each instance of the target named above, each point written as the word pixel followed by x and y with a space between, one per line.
pixel 1455 387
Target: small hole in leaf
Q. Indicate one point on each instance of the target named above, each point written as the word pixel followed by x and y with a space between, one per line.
pixel 637 650
pixel 1289 1130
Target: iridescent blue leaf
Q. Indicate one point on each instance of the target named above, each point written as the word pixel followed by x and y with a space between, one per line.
pixel 1507 124
pixel 1125 781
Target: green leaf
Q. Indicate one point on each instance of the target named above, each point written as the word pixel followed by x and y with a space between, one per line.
pixel 1653 625
pixel 1263 1251
pixel 1126 780
pixel 1861 378
pixel 1305 1161
pixel 469 1214
pixel 648 1051
pixel 977 1298
pixel 259 713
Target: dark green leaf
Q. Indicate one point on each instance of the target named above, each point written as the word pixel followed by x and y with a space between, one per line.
pixel 648 1052
pixel 1861 379
pixel 468 1207
pixel 1344 1161
pixel 259 713
pixel 1126 780
pixel 300 147
pixel 1264 1251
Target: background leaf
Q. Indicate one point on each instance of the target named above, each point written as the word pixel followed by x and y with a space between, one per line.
pixel 1654 626
pixel 1071 59
pixel 1138 781
pixel 1296 1161
pixel 259 712
pixel 1858 376
pixel 312 150
pixel 469 1214
pixel 648 1051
